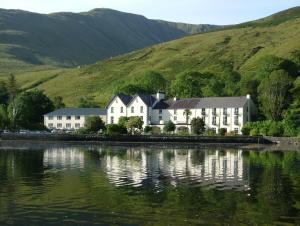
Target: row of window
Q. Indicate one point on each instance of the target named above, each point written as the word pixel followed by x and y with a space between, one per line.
pixel 236 130
pixel 112 109
pixel 60 125
pixel 225 120
pixel 61 117
pixel 132 109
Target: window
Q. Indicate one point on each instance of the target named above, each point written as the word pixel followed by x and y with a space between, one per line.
pixel 236 130
pixel 59 117
pixel 69 117
pixel 77 117
pixel 236 111
pixel 225 120
pixel 142 109
pixel 59 125
pixel 149 118
pixel 160 111
pixel 50 125
pixel 214 120
pixel 175 118
pixel 160 118
pixel 112 120
pixel 50 117
pixel 112 110
pixel 122 110
pixel 68 125
pixel 236 120
pixel 214 111
pixel 132 109
pixel 203 111
pixel 175 112
pixel 77 125
pixel 224 111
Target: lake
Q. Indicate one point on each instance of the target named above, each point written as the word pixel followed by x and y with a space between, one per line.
pixel 102 185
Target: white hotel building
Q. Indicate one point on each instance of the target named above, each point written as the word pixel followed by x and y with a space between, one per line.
pixel 230 113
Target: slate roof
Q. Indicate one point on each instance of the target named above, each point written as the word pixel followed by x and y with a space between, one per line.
pixel 77 111
pixel 198 103
pixel 126 99
pixel 149 100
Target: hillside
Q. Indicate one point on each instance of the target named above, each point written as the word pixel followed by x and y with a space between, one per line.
pixel 238 51
pixel 69 39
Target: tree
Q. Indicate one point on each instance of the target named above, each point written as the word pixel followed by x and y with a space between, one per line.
pixel 87 102
pixel 151 82
pixel 129 89
pixel 94 124
pixel 58 102
pixel 187 113
pixel 4 95
pixel 13 91
pixel 123 120
pixel 169 127
pixel 148 129
pixel 273 94
pixel 4 118
pixel 198 126
pixel 134 125
pixel 30 107
pixel 187 85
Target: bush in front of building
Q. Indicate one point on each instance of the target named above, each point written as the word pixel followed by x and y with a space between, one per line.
pixel 134 125
pixel 94 124
pixel 209 132
pixel 222 131
pixel 198 126
pixel 116 129
pixel 169 127
pixel 265 128
pixel 183 131
pixel 148 130
pixel 156 130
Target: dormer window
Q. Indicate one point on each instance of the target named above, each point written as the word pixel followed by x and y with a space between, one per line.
pixel 160 111
pixel 112 110
pixel 175 112
pixel 122 110
pixel 132 109
pixel 142 109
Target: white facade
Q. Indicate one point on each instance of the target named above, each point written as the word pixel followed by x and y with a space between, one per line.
pixel 71 119
pixel 231 114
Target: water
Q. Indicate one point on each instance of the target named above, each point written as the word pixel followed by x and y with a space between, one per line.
pixel 94 185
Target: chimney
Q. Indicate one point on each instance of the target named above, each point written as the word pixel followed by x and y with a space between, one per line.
pixel 160 96
pixel 175 99
pixel 248 96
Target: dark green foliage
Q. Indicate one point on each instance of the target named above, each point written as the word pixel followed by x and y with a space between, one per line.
pixel 183 131
pixel 275 130
pixel 12 87
pixel 273 94
pixel 147 129
pixel 156 130
pixel 87 102
pixel 115 129
pixel 4 95
pixel 123 121
pixel 246 130
pixel 169 127
pixel 94 124
pixel 222 131
pixel 149 82
pixel 30 107
pixel 4 117
pixel 198 126
pixel 58 102
pixel 187 85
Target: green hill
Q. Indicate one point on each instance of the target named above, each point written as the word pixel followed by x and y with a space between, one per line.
pixel 68 39
pixel 237 51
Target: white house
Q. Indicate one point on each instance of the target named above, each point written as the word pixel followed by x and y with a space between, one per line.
pixel 230 113
pixel 71 118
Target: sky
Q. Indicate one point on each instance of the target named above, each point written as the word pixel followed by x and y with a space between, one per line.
pixel 190 11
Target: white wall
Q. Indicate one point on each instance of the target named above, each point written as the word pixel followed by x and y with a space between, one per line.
pixel 64 121
pixel 116 104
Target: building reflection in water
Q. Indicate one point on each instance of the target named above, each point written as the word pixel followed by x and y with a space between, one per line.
pixel 221 169
pixel 63 158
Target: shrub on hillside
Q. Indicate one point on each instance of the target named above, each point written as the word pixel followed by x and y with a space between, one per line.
pixel 275 130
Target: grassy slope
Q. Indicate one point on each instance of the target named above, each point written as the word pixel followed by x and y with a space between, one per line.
pixel 214 52
pixel 67 39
